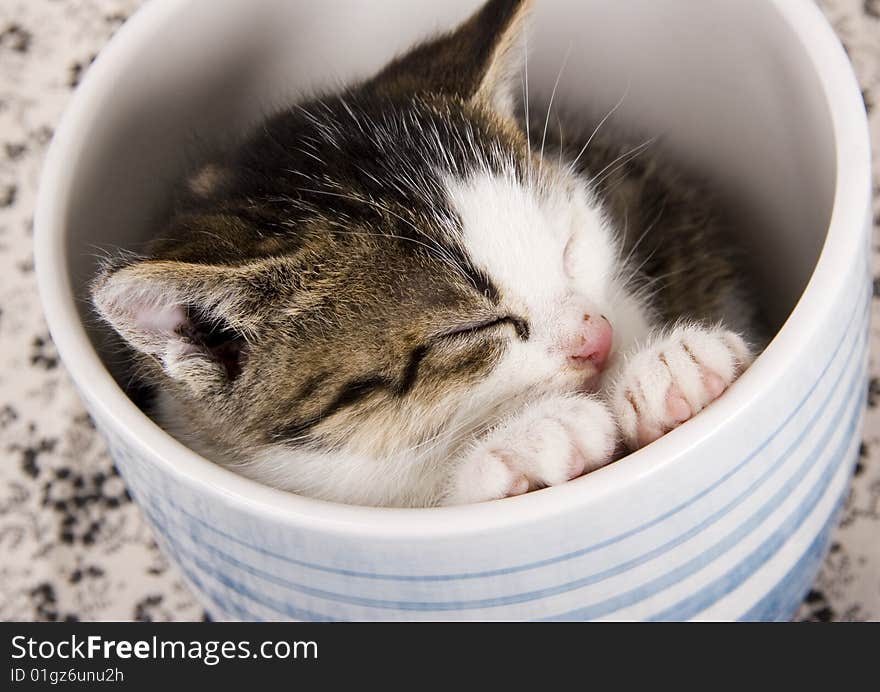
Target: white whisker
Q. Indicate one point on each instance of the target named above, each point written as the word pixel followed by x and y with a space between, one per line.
pixel 550 105
pixel 623 159
pixel 599 126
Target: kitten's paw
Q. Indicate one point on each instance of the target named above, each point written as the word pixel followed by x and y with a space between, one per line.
pixel 674 378
pixel 551 442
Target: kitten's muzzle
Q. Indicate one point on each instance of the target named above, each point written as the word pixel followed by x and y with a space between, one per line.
pixel 589 349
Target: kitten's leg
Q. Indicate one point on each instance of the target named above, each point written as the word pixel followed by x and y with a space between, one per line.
pixel 549 442
pixel 672 379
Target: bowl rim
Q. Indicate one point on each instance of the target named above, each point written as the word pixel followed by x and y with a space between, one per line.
pixel 850 210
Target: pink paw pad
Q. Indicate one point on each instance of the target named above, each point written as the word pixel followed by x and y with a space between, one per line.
pixel 715 386
pixel 677 407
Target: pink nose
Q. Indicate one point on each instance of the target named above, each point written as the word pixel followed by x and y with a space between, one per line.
pixel 592 345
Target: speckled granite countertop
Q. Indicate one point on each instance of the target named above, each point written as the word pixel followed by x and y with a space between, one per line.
pixel 72 544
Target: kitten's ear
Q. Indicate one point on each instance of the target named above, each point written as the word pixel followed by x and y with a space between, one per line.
pixel 193 319
pixel 479 61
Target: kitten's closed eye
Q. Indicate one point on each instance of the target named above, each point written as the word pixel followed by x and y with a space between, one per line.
pixel 520 326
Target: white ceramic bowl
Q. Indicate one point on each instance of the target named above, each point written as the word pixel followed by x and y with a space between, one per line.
pixel 726 517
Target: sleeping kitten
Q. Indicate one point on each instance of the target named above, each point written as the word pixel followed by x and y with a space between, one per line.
pixel 388 297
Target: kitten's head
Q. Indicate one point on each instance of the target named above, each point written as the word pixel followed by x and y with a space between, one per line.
pixel 384 269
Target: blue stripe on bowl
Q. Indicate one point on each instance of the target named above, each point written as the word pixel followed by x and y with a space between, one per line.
pixel 219 602
pixel 192 567
pixel 280 607
pixel 781 603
